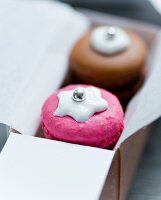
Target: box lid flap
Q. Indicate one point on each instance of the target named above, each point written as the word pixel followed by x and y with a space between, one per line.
pixel 36 168
pixel 36 38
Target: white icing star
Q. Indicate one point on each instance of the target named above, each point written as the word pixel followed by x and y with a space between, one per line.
pixel 80 111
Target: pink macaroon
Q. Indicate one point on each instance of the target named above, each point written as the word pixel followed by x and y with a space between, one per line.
pixel 102 129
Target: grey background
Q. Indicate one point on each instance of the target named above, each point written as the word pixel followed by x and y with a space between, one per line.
pixel 141 10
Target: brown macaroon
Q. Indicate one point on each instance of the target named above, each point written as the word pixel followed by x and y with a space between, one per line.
pixel 119 62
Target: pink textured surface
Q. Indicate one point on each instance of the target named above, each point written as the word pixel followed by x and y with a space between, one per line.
pixel 101 130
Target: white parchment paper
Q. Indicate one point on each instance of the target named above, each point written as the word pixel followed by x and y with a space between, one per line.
pixel 35 41
pixel 156 4
pixel 145 107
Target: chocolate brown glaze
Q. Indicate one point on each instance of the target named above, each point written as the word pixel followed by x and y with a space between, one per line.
pixel 111 71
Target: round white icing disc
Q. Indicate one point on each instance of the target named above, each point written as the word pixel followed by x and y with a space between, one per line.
pixel 109 40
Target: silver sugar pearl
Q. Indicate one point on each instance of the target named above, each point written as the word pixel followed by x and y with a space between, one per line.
pixel 79 95
pixel 111 32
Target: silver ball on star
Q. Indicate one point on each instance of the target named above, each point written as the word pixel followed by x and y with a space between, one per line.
pixel 79 95
pixel 111 32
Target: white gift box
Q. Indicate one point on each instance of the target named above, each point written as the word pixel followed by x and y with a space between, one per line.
pixel 34 58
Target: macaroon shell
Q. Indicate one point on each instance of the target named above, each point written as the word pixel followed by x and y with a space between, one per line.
pixel 101 130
